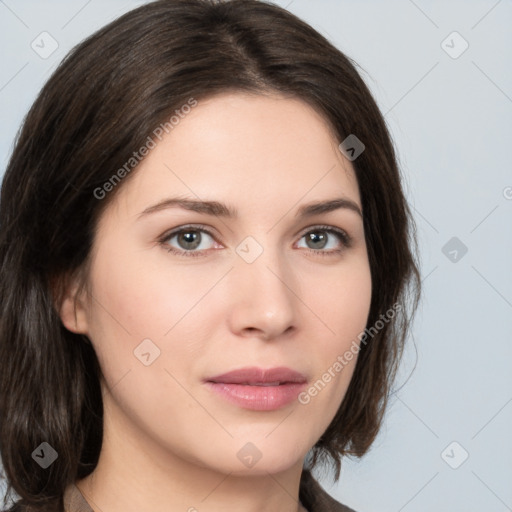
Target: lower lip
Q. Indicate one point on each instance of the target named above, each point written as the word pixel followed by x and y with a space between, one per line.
pixel 258 398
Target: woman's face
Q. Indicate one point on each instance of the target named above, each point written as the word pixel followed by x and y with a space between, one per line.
pixel 271 286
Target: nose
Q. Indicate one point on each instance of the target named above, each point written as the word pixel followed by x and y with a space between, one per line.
pixel 262 300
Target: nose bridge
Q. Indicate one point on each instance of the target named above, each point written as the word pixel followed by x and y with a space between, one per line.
pixel 264 299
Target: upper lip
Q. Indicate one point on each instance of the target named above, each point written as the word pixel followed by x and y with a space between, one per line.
pixel 254 375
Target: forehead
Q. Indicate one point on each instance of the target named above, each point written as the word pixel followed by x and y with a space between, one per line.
pixel 252 151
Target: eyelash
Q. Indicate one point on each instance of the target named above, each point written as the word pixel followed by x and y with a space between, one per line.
pixel 345 239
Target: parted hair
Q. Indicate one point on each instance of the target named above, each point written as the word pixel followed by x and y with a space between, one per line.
pixel 100 105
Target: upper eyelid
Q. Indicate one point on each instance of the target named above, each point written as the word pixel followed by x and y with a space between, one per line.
pixel 198 227
pixel 342 233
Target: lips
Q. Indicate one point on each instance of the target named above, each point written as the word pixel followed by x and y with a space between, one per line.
pixel 258 389
pixel 254 376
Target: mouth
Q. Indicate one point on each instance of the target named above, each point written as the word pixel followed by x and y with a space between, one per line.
pixel 258 389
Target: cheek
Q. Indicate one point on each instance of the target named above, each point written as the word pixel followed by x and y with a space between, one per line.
pixel 143 299
pixel 342 300
pixel 144 295
pixel 344 308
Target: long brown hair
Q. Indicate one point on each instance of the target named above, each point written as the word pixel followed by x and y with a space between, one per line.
pixel 100 105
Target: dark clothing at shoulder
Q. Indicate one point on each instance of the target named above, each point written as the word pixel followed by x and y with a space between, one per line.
pixel 315 498
pixel 311 495
pixel 18 507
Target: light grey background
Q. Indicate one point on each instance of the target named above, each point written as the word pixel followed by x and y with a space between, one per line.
pixel 451 121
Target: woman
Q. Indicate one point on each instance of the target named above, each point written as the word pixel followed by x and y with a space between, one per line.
pixel 205 256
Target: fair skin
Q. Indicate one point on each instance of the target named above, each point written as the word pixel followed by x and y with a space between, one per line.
pixel 170 443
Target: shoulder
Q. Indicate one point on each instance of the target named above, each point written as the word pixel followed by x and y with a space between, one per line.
pixel 315 498
pixel 19 507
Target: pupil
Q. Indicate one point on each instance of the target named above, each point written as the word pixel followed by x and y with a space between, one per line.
pixel 190 239
pixel 317 239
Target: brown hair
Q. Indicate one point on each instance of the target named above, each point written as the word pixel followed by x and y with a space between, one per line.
pixel 100 105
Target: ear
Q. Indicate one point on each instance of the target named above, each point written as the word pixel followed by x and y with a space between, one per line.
pixel 73 310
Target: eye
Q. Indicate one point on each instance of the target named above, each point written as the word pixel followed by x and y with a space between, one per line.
pixel 197 240
pixel 191 241
pixel 324 237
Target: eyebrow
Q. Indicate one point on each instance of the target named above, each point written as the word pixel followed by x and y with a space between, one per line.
pixel 216 208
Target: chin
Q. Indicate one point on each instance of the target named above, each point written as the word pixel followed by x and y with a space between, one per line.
pixel 260 456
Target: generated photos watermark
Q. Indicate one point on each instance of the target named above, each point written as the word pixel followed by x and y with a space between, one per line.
pixel 349 354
